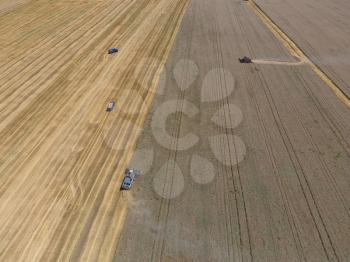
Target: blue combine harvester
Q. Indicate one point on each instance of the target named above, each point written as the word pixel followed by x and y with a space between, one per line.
pixel 113 50
pixel 130 175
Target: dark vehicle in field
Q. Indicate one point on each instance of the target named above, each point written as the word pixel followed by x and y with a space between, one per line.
pixel 110 106
pixel 245 60
pixel 113 50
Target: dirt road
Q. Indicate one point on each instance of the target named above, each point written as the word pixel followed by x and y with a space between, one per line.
pixel 242 162
pixel 62 156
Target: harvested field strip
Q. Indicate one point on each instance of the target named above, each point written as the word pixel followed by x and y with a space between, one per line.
pixel 298 53
pixel 281 197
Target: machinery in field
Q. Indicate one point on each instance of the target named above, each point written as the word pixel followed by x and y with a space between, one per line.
pixel 245 60
pixel 110 106
pixel 113 50
pixel 130 175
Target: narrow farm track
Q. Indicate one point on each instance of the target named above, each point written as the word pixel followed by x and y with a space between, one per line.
pixel 61 155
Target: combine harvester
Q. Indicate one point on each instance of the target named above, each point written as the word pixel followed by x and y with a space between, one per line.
pixel 130 175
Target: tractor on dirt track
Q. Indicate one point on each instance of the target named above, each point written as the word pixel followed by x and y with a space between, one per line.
pixel 245 60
